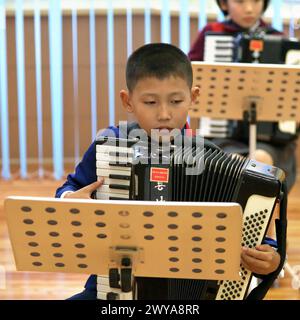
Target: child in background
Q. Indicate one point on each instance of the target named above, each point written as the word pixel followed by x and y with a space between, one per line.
pixel 274 146
pixel 241 16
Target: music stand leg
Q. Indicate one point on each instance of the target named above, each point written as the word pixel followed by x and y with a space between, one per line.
pixel 250 115
pixel 252 140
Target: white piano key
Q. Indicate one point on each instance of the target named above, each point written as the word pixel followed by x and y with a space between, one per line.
pixel 107 149
pixel 102 196
pixel 103 157
pixel 108 165
pixel 106 172
pixel 106 189
pixel 104 289
pixel 219 55
pixel 212 58
pixel 219 37
pixel 107 196
pixel 116 181
pixel 103 279
pixel 101 295
pixel 223 45
pixel 223 59
pixel 218 122
pixel 218 47
pixel 218 129
pixel 222 51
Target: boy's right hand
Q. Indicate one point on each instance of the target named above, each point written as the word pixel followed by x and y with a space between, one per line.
pixel 85 192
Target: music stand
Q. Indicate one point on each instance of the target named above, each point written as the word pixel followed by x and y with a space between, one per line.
pixel 157 239
pixel 252 92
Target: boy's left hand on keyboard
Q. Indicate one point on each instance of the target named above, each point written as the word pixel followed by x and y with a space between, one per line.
pixel 85 192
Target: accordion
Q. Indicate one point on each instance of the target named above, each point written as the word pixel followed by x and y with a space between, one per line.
pixel 191 170
pixel 256 47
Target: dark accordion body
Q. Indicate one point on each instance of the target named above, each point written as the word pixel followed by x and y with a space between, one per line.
pixel 191 171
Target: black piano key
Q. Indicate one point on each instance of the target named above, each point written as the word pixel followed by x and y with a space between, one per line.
pixel 119 154
pixel 222 48
pixel 120 164
pixel 218 56
pixel 116 198
pixel 119 177
pixel 119 186
pixel 223 42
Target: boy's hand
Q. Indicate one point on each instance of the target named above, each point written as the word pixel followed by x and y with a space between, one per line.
pixel 85 192
pixel 262 259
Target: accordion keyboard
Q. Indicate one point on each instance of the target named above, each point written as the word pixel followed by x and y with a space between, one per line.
pixel 218 48
pixel 115 165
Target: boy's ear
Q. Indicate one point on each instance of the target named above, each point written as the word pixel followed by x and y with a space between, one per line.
pixel 125 98
pixel 195 94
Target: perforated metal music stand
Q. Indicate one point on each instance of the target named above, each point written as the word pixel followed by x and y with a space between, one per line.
pixel 162 239
pixel 252 92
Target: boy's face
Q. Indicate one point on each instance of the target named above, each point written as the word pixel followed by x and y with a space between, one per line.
pixel 160 104
pixel 245 13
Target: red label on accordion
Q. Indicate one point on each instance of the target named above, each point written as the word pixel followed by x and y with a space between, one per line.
pixel 256 45
pixel 159 174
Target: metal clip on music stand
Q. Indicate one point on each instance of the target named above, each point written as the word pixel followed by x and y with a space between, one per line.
pixel 131 239
pixel 252 92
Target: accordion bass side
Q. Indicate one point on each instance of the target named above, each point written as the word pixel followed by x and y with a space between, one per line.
pixel 194 173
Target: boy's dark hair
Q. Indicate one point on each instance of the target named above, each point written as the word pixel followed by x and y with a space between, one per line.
pixel 159 60
pixel 225 12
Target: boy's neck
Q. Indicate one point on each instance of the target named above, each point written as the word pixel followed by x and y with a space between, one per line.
pixel 257 24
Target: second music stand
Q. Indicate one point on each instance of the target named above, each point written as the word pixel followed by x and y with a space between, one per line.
pixel 250 92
